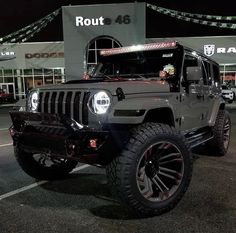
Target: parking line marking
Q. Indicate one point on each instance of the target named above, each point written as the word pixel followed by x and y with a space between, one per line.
pixel 8 144
pixel 31 186
pixel 20 190
pixel 81 167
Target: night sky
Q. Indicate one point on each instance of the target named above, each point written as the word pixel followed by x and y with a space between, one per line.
pixel 16 14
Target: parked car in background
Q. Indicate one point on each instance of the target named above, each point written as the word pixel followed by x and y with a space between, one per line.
pixel 233 88
pixel 227 94
pixel 6 97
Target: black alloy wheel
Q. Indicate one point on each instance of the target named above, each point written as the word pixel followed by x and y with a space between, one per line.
pixel 153 171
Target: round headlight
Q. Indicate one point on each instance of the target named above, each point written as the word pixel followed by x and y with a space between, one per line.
pixel 33 101
pixel 100 102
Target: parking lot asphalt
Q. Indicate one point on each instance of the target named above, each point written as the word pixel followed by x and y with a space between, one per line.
pixel 83 202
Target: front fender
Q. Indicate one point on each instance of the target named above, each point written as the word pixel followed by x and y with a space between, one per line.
pixel 134 110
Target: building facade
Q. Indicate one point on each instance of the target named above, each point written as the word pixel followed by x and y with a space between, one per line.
pixel 88 29
pixel 33 65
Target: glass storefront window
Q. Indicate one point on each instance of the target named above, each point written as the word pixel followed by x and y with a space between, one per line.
pixel 48 80
pixel 38 71
pixel 230 68
pixel 94 47
pixel 92 57
pixel 28 72
pixel 229 78
pixel 57 71
pixel 8 79
pixel 58 79
pixel 228 74
pixel 48 72
pixel 8 73
pixel 222 68
pixel 38 81
pixel 23 80
pixel 29 83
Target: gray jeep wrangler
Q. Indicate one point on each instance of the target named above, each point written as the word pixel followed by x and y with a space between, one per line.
pixel 138 113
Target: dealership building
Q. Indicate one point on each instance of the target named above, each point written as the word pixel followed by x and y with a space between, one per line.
pixel 88 29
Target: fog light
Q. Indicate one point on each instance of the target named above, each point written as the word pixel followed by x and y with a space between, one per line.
pixel 12 133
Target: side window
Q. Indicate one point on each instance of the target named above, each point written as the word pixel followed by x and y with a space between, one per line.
pixel 189 61
pixel 216 75
pixel 206 72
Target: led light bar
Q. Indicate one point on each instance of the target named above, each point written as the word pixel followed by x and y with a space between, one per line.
pixel 136 48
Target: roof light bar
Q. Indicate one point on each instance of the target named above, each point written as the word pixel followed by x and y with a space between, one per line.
pixel 136 48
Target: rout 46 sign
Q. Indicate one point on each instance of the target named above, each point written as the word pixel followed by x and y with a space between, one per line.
pixel 80 21
pixel 211 49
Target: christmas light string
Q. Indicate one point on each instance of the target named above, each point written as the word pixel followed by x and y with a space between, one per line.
pixel 24 34
pixel 29 31
pixel 197 18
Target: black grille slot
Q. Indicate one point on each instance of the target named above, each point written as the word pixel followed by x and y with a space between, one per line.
pixel 40 101
pixel 68 104
pixel 73 104
pixel 76 106
pixel 85 108
pixel 53 102
pixel 46 99
pixel 60 103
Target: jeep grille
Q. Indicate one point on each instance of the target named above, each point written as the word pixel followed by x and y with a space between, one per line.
pixel 70 103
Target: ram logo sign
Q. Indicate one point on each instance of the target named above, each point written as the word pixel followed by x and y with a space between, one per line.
pixel 209 49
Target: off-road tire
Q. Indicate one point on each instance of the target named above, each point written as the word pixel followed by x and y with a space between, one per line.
pixel 40 172
pixel 218 146
pixel 122 171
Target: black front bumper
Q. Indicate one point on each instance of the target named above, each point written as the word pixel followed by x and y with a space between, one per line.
pixel 55 135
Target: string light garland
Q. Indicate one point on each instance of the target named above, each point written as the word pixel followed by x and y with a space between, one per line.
pixel 197 18
pixel 25 33
pixel 29 31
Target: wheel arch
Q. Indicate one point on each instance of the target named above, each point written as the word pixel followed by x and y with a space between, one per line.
pixel 160 115
pixel 218 105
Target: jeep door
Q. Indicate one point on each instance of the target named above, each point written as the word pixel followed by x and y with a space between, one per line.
pixel 210 88
pixel 193 97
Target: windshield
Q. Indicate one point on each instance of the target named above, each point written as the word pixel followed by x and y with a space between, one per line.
pixel 144 64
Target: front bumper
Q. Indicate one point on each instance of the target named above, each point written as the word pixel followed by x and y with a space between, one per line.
pixel 55 134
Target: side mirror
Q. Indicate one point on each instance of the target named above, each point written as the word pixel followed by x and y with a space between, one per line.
pixel 194 74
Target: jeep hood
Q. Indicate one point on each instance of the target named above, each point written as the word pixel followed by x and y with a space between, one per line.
pixel 128 87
